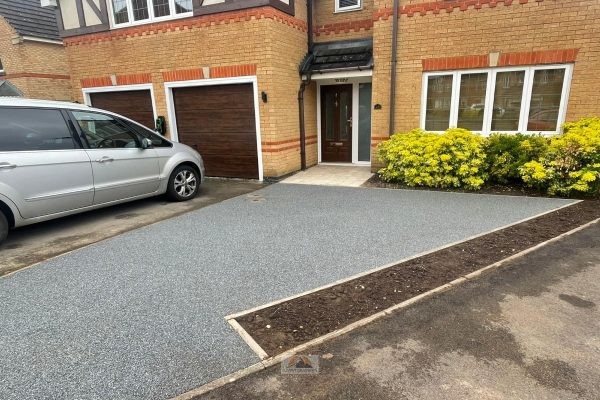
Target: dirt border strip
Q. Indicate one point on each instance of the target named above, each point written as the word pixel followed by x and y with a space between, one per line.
pixel 206 388
pixel 389 265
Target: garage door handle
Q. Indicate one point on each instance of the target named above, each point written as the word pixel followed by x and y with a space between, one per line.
pixel 7 166
pixel 104 160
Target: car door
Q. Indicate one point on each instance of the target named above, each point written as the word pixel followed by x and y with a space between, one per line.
pixel 43 167
pixel 122 168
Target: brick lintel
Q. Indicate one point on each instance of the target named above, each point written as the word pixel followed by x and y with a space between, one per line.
pixel 505 60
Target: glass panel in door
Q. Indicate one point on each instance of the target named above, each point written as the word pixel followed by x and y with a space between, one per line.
pixel 365 91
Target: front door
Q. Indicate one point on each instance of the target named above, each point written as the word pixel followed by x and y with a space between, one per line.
pixel 336 123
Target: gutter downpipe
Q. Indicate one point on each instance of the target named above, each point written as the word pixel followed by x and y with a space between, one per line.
pixel 303 85
pixel 393 69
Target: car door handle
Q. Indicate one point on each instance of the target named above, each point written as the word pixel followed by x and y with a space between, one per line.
pixel 104 160
pixel 5 165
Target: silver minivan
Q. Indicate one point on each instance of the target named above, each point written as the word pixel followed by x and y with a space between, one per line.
pixel 58 159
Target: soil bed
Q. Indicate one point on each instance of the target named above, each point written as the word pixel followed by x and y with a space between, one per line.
pixel 507 190
pixel 305 318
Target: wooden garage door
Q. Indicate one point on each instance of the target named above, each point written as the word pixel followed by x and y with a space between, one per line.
pixel 134 104
pixel 219 122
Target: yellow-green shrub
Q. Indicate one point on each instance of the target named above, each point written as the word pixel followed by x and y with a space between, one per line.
pixel 454 159
pixel 571 163
pixel 506 153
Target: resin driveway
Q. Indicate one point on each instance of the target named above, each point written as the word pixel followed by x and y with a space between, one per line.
pixel 140 315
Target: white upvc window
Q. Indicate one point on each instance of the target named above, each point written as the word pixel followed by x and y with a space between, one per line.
pixel 514 99
pixel 347 5
pixel 136 12
pixel 1 68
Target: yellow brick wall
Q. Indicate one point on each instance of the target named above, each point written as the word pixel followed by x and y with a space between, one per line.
pixel 344 25
pixel 34 58
pixel 545 25
pixel 274 46
pixel 288 48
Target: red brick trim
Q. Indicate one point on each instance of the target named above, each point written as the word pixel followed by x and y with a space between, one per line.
pixel 271 147
pixel 233 71
pixel 346 27
pixel 461 62
pixel 189 23
pixel 538 57
pixel 230 71
pixel 96 82
pixel 183 75
pixel 134 79
pixel 505 60
pixel 448 6
pixel 34 75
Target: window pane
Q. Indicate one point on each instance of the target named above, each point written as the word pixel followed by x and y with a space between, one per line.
pixel 472 101
pixel 26 129
pixel 439 98
pixel 507 101
pixel 120 11
pixel 140 9
pixel 161 8
pixel 183 6
pixel 545 99
pixel 349 3
pixel 104 132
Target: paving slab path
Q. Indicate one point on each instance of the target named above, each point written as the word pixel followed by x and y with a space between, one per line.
pixel 140 315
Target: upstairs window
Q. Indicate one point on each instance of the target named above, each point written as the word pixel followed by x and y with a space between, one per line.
pixel 1 68
pixel 134 12
pixel 515 99
pixel 347 5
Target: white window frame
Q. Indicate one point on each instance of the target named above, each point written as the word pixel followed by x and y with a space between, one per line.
pixel 2 72
pixel 151 18
pixel 490 93
pixel 339 9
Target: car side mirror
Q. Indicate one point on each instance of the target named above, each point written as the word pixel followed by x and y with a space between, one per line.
pixel 146 143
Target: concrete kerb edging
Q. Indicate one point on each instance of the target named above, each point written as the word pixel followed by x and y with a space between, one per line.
pixel 267 363
pixel 248 339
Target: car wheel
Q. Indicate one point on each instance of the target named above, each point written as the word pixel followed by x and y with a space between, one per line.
pixel 183 184
pixel 3 227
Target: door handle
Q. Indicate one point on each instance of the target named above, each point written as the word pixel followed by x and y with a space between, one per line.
pixel 5 165
pixel 104 160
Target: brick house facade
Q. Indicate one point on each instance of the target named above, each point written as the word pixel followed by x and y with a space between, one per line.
pixel 489 65
pixel 33 61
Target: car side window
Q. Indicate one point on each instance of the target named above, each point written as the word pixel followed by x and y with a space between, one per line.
pixel 33 129
pixel 157 140
pixel 105 132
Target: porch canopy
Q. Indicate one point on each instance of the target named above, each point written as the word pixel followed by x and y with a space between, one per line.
pixel 344 55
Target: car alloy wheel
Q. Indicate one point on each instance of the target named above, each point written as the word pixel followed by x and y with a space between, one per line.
pixel 185 183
